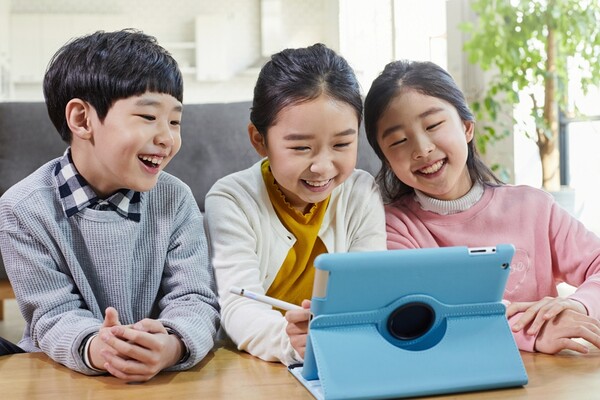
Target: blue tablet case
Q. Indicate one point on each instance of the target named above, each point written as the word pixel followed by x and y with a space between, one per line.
pixel 416 322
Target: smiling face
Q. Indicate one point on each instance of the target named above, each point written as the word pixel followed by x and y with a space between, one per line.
pixel 136 140
pixel 425 143
pixel 312 149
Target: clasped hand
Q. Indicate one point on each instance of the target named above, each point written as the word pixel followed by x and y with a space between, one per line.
pixel 134 353
pixel 556 321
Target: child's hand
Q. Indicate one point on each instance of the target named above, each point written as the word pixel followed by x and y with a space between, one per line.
pixel 142 350
pixel 541 311
pixel 297 327
pixel 557 333
pixel 111 318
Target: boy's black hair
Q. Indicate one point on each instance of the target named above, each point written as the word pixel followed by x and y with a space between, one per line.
pixel 104 67
pixel 431 80
pixel 294 76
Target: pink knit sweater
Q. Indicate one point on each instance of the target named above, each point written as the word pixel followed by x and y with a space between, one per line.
pixel 551 245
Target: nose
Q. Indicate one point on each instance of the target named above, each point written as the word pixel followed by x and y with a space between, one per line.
pixel 165 137
pixel 423 146
pixel 321 163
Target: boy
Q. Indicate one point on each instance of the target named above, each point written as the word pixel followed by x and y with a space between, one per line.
pixel 106 253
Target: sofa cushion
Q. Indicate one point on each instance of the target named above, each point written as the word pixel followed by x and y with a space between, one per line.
pixel 27 140
pixel 214 144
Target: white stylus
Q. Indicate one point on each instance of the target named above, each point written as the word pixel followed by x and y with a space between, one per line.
pixel 283 305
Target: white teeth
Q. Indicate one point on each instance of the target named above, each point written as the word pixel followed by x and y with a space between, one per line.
pixel 318 183
pixel 152 159
pixel 433 168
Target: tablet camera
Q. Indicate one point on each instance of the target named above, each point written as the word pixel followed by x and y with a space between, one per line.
pixel 411 321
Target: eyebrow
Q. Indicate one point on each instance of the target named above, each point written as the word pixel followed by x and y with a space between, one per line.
pixel 155 103
pixel 426 113
pixel 302 136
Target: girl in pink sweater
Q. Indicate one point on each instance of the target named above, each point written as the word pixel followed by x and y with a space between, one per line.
pixel 439 193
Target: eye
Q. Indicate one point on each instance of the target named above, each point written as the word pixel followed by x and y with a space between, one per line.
pixel 175 123
pixel 342 145
pixel 431 127
pixel 147 117
pixel 397 142
pixel 301 148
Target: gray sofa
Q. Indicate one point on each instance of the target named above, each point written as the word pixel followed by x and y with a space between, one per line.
pixel 214 137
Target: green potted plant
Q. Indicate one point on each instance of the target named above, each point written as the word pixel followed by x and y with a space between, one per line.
pixel 531 48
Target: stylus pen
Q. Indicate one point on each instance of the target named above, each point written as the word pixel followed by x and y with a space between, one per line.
pixel 283 305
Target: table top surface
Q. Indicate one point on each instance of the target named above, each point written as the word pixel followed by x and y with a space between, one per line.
pixel 229 374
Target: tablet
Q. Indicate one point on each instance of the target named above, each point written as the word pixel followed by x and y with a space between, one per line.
pixel 405 314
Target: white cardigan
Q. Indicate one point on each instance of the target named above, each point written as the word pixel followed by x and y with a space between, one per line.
pixel 249 244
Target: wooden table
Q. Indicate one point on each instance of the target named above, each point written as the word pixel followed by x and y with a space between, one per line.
pixel 228 374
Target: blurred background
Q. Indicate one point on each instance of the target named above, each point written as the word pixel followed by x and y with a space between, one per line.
pixel 221 45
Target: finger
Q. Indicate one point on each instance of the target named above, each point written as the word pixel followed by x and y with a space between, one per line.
pixel 150 326
pixel 298 343
pixel 521 322
pixel 559 308
pixel 527 317
pixel 306 304
pixel 591 333
pixel 568 344
pixel 127 345
pixel 539 321
pixel 553 309
pixel 111 317
pixel 296 329
pixel 300 348
pixel 146 340
pixel 123 376
pixel 516 308
pixel 299 340
pixel 127 370
pixel 297 316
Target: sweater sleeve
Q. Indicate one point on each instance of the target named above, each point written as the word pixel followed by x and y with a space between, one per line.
pixel 234 238
pixel 576 258
pixel 57 320
pixel 189 305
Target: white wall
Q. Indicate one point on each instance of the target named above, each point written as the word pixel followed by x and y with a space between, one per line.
pixel 173 24
pixel 4 49
pixel 421 31
pixel 298 23
pixel 366 37
pixel 222 60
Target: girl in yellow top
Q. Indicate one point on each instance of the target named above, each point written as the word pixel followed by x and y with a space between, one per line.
pixel 267 224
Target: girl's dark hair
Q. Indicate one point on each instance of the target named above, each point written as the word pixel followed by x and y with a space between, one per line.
pixel 294 76
pixel 104 67
pixel 431 80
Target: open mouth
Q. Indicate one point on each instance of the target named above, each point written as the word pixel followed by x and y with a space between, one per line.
pixel 151 161
pixel 317 184
pixel 433 168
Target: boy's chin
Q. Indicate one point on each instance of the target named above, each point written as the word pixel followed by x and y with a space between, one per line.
pixel 144 186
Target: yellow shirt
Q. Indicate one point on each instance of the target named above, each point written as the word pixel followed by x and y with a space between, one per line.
pixel 294 281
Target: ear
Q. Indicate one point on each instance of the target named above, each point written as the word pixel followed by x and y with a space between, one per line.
pixel 77 114
pixel 469 130
pixel 257 140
